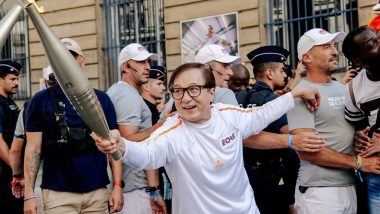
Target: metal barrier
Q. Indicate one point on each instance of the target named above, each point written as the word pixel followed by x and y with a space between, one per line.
pixel 289 19
pixel 130 21
pixel 16 48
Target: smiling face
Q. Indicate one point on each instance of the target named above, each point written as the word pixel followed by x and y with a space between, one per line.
pixel 195 109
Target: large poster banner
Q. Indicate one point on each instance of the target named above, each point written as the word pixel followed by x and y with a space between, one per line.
pixel 196 33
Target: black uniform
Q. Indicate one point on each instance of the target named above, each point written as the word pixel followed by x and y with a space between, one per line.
pixel 8 113
pixel 272 173
pixel 8 118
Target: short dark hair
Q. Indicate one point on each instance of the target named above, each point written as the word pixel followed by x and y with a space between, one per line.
pixel 259 69
pixel 206 73
pixel 4 74
pixel 350 49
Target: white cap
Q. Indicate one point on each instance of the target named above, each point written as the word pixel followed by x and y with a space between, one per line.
pixel 217 53
pixel 316 36
pixel 46 72
pixel 72 45
pixel 135 52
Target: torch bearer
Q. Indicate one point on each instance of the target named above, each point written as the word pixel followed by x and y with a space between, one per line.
pixel 71 78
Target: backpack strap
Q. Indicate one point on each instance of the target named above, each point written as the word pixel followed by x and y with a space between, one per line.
pixel 351 91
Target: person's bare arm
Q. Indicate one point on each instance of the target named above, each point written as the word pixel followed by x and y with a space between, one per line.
pixel 331 158
pixel 15 155
pixel 309 142
pixel 31 166
pixel 132 132
pixel 116 200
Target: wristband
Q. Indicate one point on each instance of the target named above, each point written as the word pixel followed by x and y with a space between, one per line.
pixel 358 167
pixel 119 184
pixel 290 141
pixel 14 182
pixel 29 197
pixel 154 195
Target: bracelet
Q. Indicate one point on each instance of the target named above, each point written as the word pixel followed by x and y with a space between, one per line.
pixel 154 195
pixel 29 197
pixel 120 184
pixel 290 141
pixel 358 162
pixel 358 167
pixel 152 189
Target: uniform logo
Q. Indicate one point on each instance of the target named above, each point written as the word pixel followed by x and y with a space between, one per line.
pixel 228 140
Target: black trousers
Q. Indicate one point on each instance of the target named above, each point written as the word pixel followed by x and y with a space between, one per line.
pixel 270 198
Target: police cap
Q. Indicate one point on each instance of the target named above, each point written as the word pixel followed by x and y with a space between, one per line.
pixel 9 67
pixel 268 54
pixel 157 72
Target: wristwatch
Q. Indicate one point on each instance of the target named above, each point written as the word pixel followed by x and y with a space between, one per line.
pixel 152 189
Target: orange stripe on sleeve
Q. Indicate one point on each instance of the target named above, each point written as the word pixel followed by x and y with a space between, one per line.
pixel 247 110
pixel 167 130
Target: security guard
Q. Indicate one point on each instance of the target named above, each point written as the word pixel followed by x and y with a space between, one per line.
pixel 269 170
pixel 9 71
pixel 154 90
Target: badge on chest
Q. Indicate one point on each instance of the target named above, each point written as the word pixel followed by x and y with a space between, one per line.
pixel 228 140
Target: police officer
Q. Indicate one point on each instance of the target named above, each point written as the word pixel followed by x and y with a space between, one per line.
pixel 268 170
pixel 9 71
pixel 154 90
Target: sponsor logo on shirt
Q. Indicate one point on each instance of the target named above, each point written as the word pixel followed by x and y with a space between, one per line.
pixel 218 163
pixel 228 140
pixel 336 103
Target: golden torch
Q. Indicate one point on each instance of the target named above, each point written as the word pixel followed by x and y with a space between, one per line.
pixel 7 23
pixel 71 78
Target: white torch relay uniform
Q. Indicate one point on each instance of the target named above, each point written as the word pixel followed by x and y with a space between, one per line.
pixel 205 161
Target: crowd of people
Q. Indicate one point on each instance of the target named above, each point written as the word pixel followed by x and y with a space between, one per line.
pixel 293 142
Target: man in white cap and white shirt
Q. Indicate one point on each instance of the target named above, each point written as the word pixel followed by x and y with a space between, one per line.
pixel 326 178
pixel 134 122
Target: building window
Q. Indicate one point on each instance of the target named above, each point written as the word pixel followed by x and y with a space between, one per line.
pixel 132 21
pixel 289 19
pixel 16 48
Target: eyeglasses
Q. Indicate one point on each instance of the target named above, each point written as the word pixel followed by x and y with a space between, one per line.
pixel 192 91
